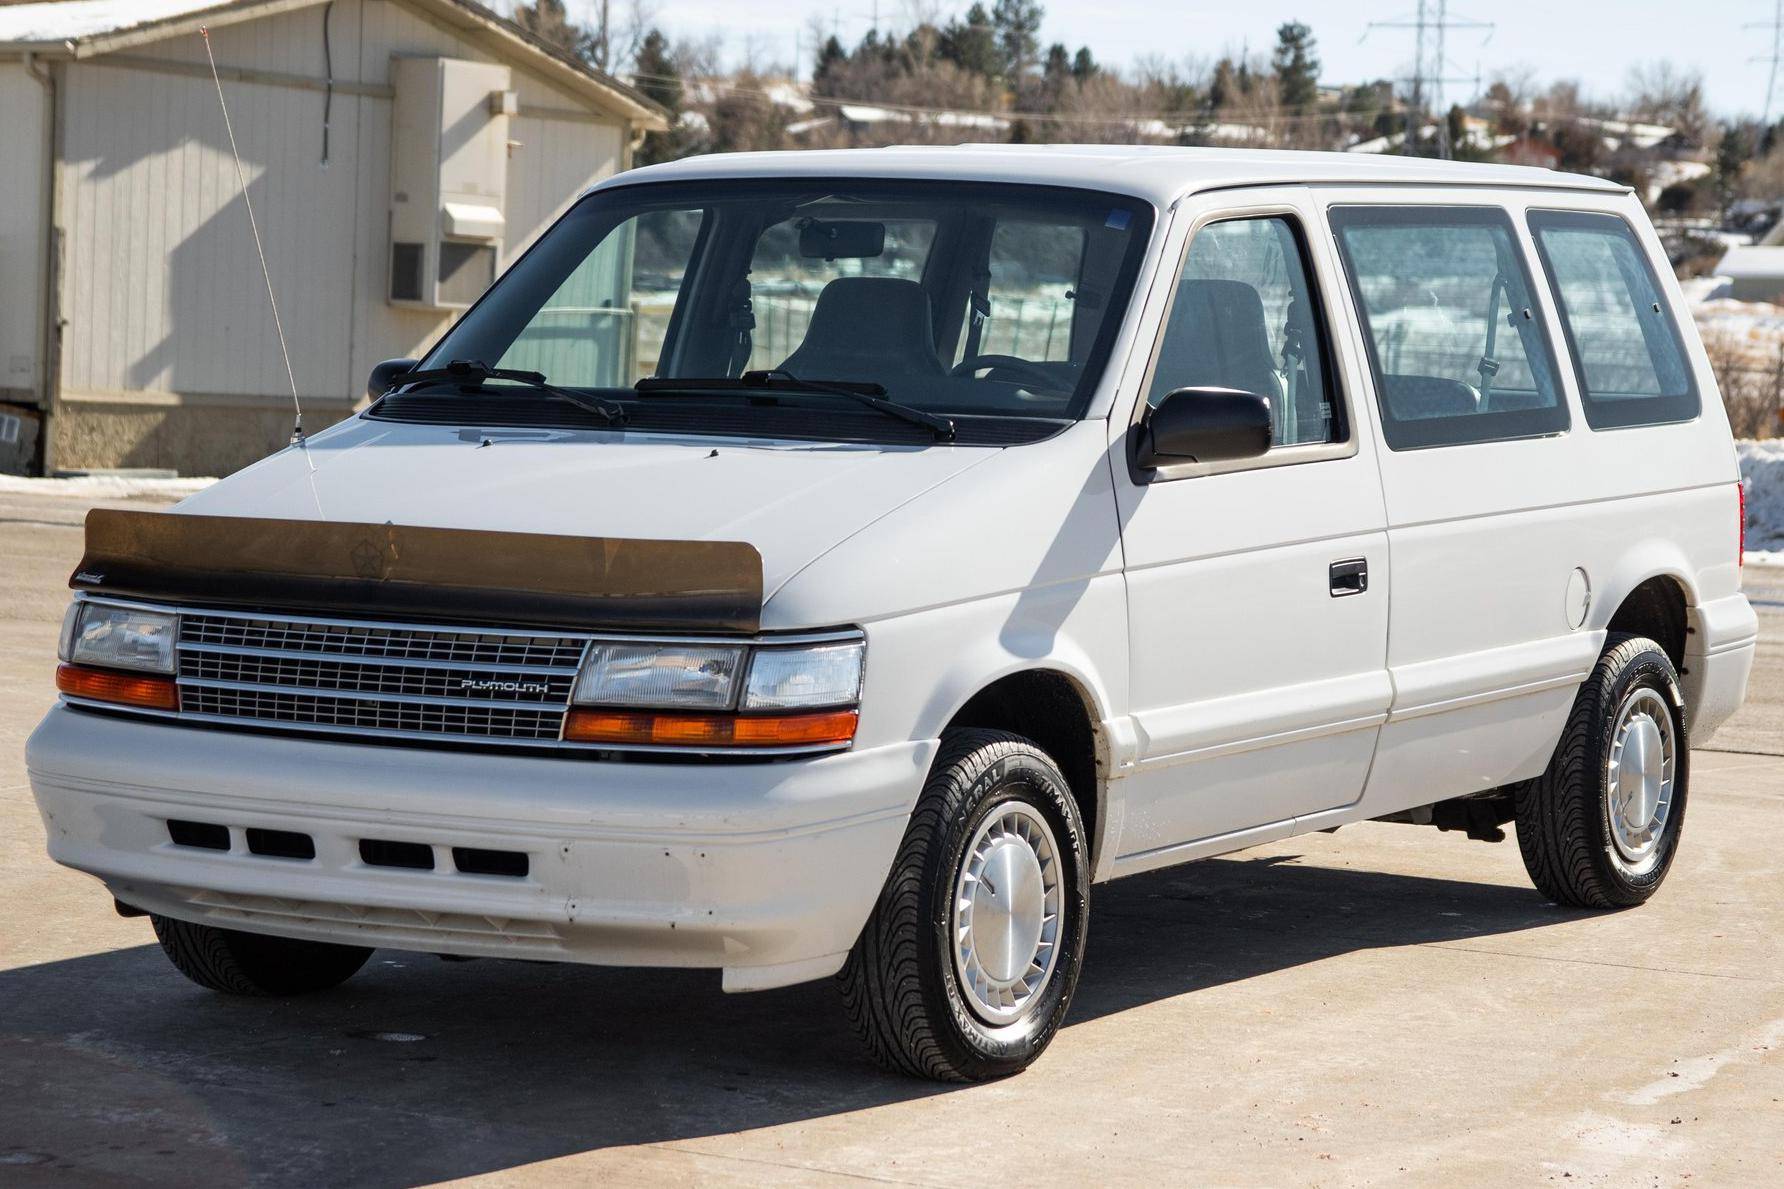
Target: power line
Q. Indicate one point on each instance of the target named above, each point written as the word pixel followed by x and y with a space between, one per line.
pixel 1776 25
pixel 1431 26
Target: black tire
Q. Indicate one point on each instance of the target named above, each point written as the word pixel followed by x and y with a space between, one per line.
pixel 252 963
pixel 1563 816
pixel 900 985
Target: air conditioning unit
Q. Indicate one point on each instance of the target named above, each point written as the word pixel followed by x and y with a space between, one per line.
pixel 448 179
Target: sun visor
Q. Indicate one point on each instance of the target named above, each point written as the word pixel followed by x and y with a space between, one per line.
pixel 399 571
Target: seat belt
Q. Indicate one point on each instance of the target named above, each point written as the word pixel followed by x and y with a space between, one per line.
pixel 1294 354
pixel 979 302
pixel 1488 367
pixel 742 326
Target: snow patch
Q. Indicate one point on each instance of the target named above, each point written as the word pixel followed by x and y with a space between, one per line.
pixel 103 487
pixel 1762 471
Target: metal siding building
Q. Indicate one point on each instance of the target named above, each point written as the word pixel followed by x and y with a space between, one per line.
pixel 136 318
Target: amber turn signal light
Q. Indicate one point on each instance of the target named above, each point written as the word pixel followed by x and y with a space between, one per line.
pixel 710 730
pixel 125 689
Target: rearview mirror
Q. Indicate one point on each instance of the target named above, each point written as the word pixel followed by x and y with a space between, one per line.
pixel 821 239
pixel 385 374
pixel 1204 425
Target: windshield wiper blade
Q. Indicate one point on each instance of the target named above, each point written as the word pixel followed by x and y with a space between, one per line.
pixel 471 373
pixel 778 379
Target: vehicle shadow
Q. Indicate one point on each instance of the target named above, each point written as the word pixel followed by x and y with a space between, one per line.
pixel 419 1070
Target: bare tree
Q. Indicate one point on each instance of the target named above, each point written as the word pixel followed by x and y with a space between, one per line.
pixel 1661 93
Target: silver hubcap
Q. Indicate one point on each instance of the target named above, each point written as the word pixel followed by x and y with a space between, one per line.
pixel 1007 913
pixel 1640 777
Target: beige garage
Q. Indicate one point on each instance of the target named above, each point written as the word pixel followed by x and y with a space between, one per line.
pixel 135 330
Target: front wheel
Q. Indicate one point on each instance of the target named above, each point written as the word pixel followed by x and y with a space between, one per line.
pixel 967 966
pixel 254 964
pixel 1600 827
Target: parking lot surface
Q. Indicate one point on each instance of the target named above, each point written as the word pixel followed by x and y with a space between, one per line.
pixel 1382 1005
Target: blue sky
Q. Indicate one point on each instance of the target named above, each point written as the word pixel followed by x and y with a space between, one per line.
pixel 1594 41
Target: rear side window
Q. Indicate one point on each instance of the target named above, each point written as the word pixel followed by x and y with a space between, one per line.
pixel 1457 348
pixel 1625 345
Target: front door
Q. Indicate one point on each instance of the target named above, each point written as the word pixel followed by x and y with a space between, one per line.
pixel 1257 591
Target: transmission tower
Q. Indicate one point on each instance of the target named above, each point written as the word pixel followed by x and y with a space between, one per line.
pixel 1776 27
pixel 1430 63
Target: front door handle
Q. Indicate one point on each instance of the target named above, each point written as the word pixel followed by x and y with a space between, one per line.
pixel 1349 577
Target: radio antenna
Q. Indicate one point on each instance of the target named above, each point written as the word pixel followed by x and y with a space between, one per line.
pixel 297 429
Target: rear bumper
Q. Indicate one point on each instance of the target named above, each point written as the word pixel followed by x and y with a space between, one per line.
pixel 1718 659
pixel 766 870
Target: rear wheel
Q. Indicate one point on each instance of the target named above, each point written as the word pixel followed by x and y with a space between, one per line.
pixel 1600 827
pixel 253 964
pixel 967 966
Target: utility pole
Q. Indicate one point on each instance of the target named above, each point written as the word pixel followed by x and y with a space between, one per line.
pixel 1776 26
pixel 1430 60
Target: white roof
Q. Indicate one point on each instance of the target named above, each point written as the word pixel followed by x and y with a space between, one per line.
pixel 1160 174
pixel 73 20
pixel 1755 261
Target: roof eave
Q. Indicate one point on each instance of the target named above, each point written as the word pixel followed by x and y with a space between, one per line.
pixel 602 92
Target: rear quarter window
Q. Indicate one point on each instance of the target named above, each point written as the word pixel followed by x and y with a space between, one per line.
pixel 1627 354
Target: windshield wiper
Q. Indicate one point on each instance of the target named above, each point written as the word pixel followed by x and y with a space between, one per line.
pixel 472 373
pixel 778 379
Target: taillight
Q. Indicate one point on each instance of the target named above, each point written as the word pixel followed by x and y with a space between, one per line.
pixel 1741 556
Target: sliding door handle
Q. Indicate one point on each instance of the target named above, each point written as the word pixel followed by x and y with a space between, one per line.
pixel 1349 577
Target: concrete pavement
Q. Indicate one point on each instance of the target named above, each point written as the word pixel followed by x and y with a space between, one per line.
pixel 1383 1005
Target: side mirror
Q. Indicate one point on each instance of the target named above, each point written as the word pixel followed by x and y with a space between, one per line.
pixel 386 374
pixel 1203 425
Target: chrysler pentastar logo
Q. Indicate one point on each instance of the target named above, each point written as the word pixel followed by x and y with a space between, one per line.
pixel 365 557
pixel 475 685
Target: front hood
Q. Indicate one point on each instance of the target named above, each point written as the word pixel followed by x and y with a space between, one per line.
pixel 793 501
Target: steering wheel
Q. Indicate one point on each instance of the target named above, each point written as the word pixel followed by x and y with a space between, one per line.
pixel 1009 363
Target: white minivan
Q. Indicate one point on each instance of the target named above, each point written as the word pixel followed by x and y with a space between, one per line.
pixel 834 563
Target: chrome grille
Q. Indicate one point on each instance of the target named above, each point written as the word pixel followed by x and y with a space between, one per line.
pixel 376 678
pixel 379 641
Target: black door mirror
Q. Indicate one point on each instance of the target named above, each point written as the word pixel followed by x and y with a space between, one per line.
pixel 1203 425
pixel 386 374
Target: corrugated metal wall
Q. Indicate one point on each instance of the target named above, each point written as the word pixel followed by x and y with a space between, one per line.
pixel 21 231
pixel 164 300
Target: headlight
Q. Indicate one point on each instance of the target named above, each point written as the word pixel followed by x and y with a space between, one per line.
pixel 666 676
pixel 110 637
pixel 804 678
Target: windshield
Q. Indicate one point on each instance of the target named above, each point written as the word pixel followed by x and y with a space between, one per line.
pixel 957 298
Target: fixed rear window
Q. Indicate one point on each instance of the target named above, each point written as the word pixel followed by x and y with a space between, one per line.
pixel 1626 348
pixel 1454 337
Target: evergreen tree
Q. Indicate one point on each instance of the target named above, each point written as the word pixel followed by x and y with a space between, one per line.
pixel 832 58
pixel 549 22
pixel 1018 25
pixel 1296 67
pixel 971 44
pixel 1084 66
pixel 656 73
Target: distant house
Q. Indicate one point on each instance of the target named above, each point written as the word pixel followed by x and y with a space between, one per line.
pixel 1530 150
pixel 398 153
pixel 1755 272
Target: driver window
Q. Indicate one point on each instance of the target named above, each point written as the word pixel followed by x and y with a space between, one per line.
pixel 1244 317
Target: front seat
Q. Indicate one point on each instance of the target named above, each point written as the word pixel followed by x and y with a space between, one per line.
pixel 1218 339
pixel 867 328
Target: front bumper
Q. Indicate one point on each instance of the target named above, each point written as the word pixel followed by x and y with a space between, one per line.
pixel 766 870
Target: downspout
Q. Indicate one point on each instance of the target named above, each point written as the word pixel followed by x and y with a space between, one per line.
pixel 49 310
